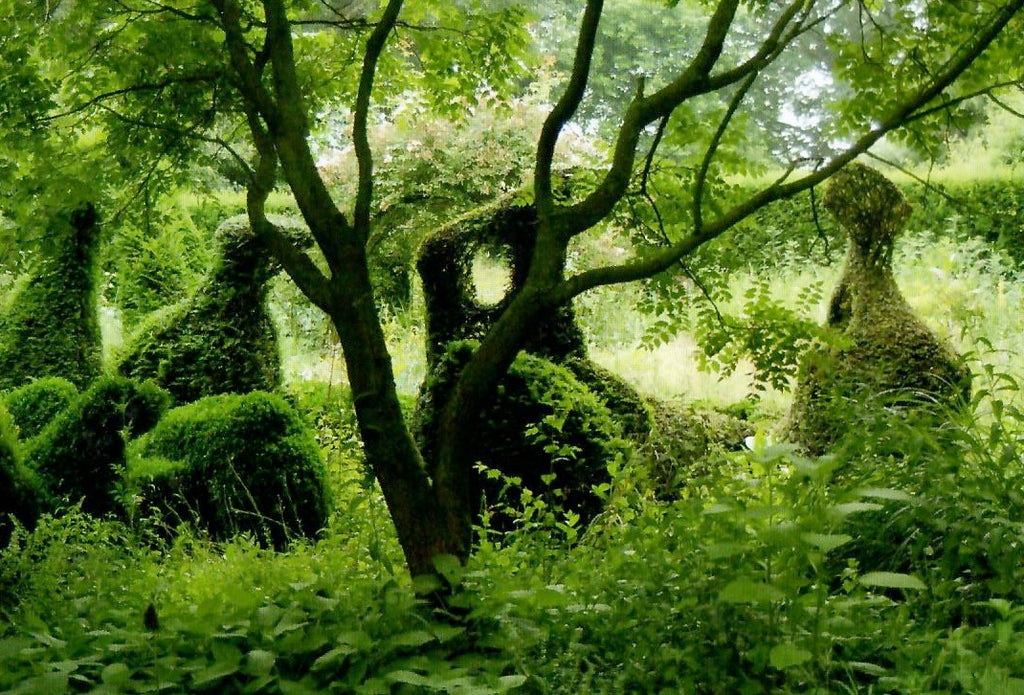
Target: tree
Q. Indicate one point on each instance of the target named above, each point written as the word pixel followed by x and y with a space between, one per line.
pixel 225 62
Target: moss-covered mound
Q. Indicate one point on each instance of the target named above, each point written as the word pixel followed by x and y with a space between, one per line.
pixel 231 464
pixel 222 339
pixel 886 356
pixel 21 492
pixel 80 454
pixel 50 326
pixel 36 403
pixel 544 427
pixel 685 442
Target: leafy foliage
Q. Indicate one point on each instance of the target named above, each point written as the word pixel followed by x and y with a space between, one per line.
pixel 158 260
pixel 231 464
pixel 35 404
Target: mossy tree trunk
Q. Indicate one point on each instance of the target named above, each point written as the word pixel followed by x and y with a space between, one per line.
pixel 433 517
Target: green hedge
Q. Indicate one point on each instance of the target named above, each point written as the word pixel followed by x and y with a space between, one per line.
pixel 38 402
pixel 80 454
pixel 231 464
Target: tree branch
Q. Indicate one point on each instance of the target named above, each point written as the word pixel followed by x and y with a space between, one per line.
pixel 364 156
pixel 566 106
pixel 664 258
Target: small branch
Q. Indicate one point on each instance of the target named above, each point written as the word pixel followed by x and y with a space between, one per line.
pixel 709 155
pixel 360 139
pixel 566 106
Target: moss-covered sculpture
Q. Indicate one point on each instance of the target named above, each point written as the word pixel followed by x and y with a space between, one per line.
pixel 886 354
pixel 35 404
pixel 231 464
pixel 21 492
pixel 544 427
pixel 222 339
pixel 80 454
pixel 454 310
pixel 50 325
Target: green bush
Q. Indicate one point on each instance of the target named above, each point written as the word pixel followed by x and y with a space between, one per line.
pixel 36 403
pixel 222 339
pixel 545 431
pixel 21 494
pixel 232 464
pixel 50 326
pixel 80 454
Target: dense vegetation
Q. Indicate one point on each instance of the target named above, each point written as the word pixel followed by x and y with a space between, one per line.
pixel 563 387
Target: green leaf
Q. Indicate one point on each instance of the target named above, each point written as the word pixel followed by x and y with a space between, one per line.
pixel 749 591
pixel 892 580
pixel 826 542
pixel 115 674
pixel 884 493
pixel 786 655
pixel 411 639
pixel 259 662
pixel 847 508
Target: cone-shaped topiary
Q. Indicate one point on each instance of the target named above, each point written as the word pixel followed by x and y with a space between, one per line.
pixel 544 427
pixel 80 454
pixel 886 354
pixel 222 339
pixel 50 326
pixel 21 492
pixel 232 464
pixel 36 403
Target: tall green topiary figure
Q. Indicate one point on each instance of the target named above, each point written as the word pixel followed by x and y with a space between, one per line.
pixel 232 464
pixel 50 326
pixel 887 355
pixel 21 493
pixel 222 339
pixel 80 454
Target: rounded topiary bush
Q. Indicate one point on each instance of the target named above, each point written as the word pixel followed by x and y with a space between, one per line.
pixel 544 427
pixel 80 454
pixel 21 493
pixel 231 464
pixel 35 404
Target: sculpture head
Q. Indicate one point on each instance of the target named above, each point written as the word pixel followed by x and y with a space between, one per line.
pixel 868 206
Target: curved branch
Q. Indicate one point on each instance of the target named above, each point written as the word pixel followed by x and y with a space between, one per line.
pixel 360 141
pixel 566 106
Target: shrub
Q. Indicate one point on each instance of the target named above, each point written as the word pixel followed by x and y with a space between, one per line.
pixel 21 494
pixel 80 454
pixel 222 339
pixel 36 403
pixel 232 464
pixel 50 327
pixel 545 431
